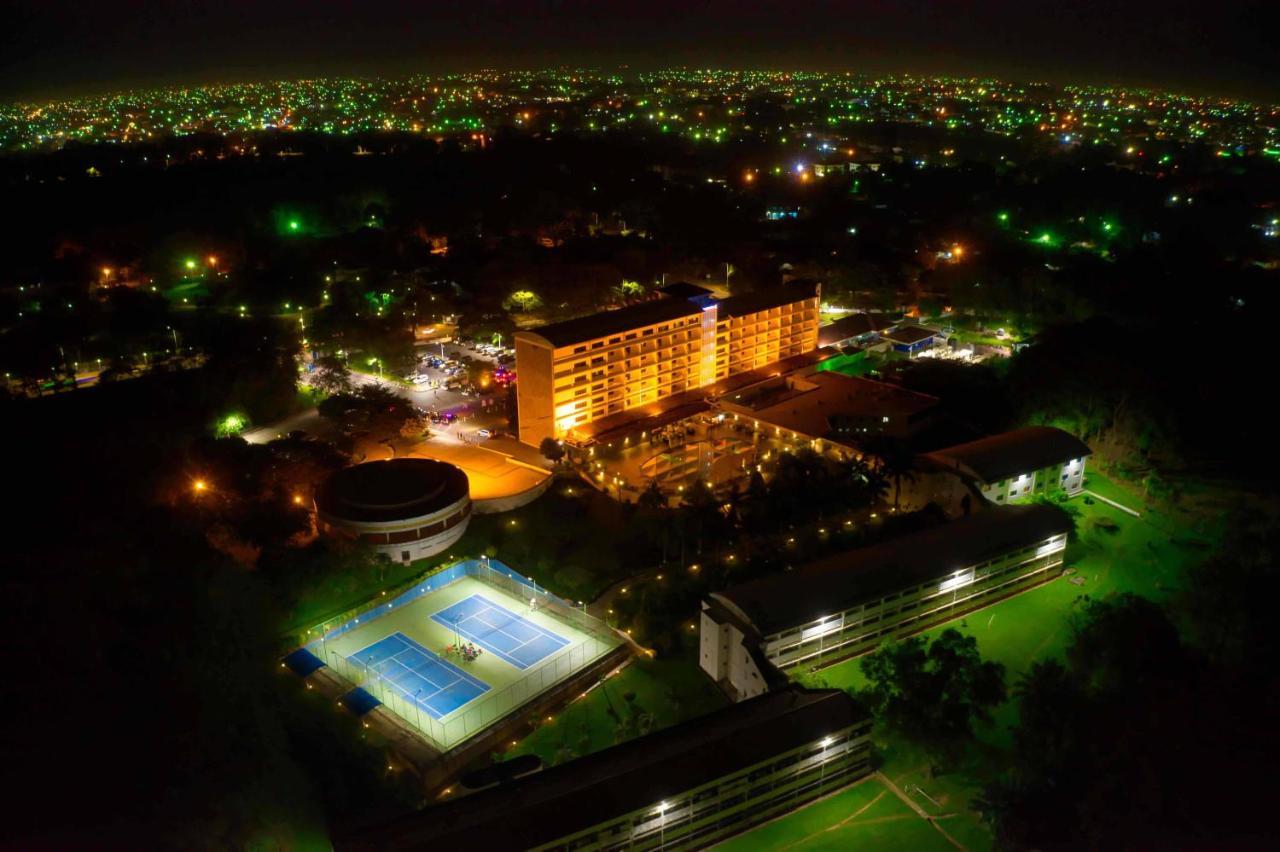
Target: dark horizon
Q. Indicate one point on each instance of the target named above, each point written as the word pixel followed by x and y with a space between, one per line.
pixel 52 50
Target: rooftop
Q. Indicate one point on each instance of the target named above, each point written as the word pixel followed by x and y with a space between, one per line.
pixel 909 334
pixel 772 297
pixel 605 323
pixel 685 290
pixel 998 457
pixel 806 404
pixel 391 490
pixel 843 580
pixel 854 325
pixel 641 773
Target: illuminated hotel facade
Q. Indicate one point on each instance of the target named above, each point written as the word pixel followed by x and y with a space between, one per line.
pixel 577 372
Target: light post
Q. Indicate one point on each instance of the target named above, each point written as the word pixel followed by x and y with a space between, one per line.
pixel 416 710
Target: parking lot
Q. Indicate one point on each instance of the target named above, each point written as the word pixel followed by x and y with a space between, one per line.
pixel 466 402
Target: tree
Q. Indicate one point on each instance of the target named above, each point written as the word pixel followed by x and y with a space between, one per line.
pixel 895 461
pixel 524 300
pixel 552 450
pixel 1104 740
pixel 933 694
pixel 331 375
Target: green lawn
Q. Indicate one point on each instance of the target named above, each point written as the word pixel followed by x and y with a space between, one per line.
pixel 867 815
pixel 672 690
pixel 1113 553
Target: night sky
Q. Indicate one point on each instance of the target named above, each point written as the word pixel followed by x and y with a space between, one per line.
pixel 50 47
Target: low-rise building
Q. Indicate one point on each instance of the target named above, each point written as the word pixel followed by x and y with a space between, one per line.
pixel 406 509
pixel 856 328
pixel 686 787
pixel 1017 464
pixel 850 602
pixel 910 339
pixel 829 410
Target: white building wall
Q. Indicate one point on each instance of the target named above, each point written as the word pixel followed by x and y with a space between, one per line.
pixel 1068 476
pixel 723 655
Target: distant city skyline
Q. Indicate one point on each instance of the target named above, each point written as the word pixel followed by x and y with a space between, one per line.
pixel 59 49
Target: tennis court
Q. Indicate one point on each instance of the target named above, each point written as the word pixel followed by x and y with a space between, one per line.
pixel 500 631
pixel 421 677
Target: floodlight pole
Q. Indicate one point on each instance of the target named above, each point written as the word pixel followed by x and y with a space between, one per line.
pixel 416 710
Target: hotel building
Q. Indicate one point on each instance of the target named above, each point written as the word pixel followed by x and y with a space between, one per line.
pixel 848 603
pixel 583 370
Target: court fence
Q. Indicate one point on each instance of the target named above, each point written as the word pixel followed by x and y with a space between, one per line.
pixel 488 708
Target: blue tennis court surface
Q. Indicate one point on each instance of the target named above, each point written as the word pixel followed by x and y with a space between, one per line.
pixel 500 631
pixel 420 676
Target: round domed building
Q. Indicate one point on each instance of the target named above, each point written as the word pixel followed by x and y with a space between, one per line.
pixel 405 508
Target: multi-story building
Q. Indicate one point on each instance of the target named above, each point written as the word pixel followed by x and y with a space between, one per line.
pixel 761 328
pixel 686 787
pixel 1017 464
pixel 577 372
pixel 848 603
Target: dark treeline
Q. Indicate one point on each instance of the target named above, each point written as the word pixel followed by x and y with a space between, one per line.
pixel 145 699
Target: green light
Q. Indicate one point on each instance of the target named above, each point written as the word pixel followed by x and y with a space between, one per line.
pixel 294 224
pixel 232 424
pixel 1108 227
pixel 190 263
pixel 1003 216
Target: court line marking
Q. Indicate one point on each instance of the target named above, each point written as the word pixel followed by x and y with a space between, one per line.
pixel 469 606
pixel 407 648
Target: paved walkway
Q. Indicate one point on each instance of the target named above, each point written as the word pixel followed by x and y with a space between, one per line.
pixel 1095 495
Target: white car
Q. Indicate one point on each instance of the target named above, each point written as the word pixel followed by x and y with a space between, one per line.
pixel 483 433
pixel 421 380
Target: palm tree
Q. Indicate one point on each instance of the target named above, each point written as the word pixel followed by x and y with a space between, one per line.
pixel 653 505
pixel 894 462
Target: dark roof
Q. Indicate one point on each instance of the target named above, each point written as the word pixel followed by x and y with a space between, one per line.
pixel 1000 456
pixel 843 580
pixel 760 300
pixel 909 334
pixel 391 490
pixel 643 772
pixel 854 325
pixel 685 290
pixel 605 323
pixel 814 404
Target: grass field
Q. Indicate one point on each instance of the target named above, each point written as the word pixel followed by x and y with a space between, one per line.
pixel 668 690
pixel 867 815
pixel 1114 553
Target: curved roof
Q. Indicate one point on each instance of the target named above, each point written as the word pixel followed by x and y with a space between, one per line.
pixel 842 580
pixel 392 490
pixel 999 457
